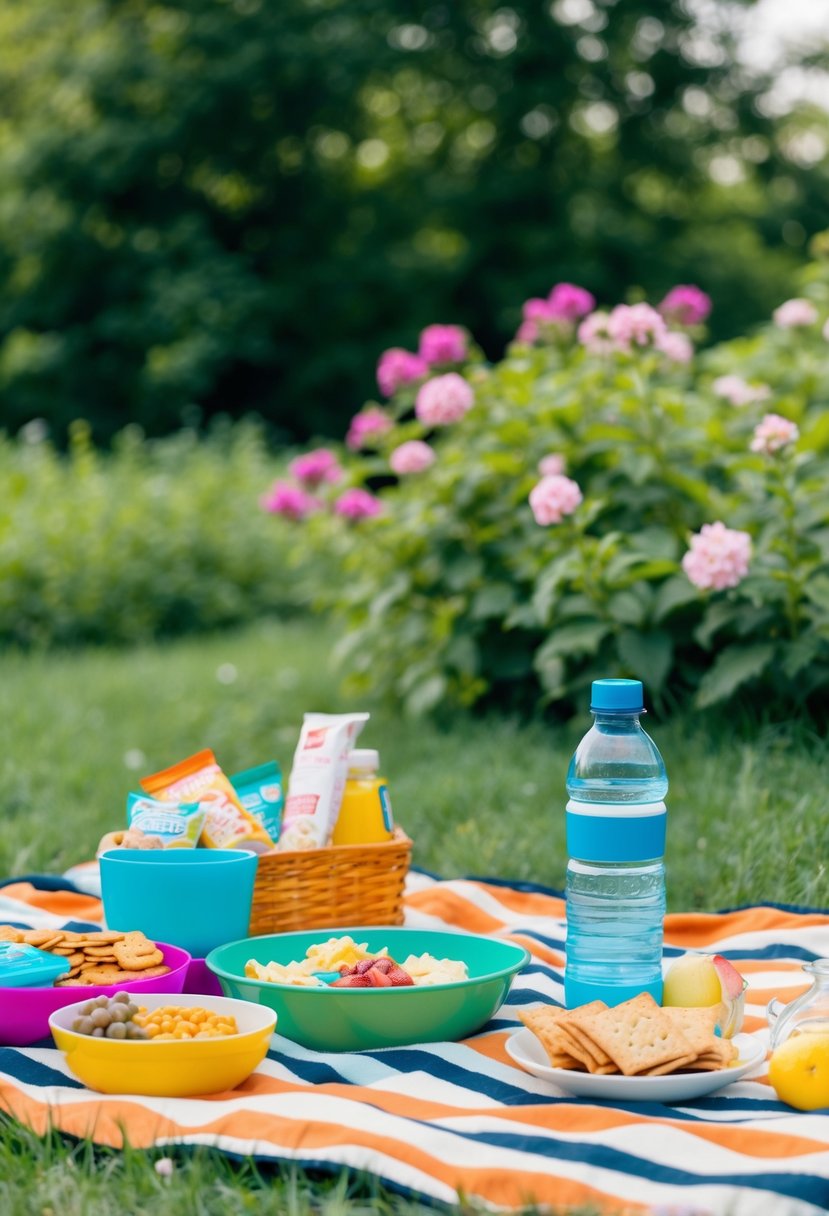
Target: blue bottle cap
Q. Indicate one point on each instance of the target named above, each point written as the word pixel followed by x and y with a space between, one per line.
pixel 617 696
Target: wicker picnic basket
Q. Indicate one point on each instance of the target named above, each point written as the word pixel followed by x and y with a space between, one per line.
pixel 346 884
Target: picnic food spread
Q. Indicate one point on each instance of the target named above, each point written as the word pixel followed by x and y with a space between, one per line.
pixel 635 1024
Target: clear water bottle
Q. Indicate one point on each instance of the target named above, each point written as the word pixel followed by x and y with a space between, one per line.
pixel 616 821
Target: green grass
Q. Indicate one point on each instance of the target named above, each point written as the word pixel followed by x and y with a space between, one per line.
pixel 483 796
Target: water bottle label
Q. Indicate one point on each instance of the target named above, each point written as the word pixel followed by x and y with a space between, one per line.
pixel 615 836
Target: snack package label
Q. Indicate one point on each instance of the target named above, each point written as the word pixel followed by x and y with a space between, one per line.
pixel 260 792
pixel 177 824
pixel 200 779
pixel 317 781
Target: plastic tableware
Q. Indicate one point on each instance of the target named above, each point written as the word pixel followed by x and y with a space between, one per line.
pixel 25 1012
pixel 528 1052
pixel 179 1068
pixel 23 966
pixel 197 898
pixel 364 1019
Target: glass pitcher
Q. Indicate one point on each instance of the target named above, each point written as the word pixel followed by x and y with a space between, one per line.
pixel 808 1012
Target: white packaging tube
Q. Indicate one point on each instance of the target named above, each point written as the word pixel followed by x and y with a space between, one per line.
pixel 317 781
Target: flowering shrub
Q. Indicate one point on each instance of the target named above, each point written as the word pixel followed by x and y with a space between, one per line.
pixel 603 501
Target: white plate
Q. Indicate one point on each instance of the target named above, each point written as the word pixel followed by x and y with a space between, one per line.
pixel 527 1051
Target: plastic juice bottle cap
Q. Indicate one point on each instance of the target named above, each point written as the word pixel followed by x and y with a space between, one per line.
pixel 363 758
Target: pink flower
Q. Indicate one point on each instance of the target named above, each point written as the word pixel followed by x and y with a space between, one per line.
pixel 685 304
pixel 718 557
pixel 594 335
pixel 553 498
pixel 443 400
pixel 367 425
pixel 527 332
pixel 285 498
pixel 411 457
pixel 738 391
pixel 774 433
pixel 357 504
pixel 537 310
pixel 164 1167
pixel 442 344
pixel 568 302
pixel 315 467
pixel 635 325
pixel 552 465
pixel 794 314
pixel 676 346
pixel 397 367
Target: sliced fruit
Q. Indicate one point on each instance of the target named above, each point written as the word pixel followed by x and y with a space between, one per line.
pixel 695 979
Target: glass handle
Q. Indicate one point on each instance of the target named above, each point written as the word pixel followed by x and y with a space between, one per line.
pixel 773 1010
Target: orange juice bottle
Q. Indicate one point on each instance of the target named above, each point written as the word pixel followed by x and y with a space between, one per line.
pixel 365 812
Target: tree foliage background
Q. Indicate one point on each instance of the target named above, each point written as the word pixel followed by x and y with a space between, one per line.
pixel 234 205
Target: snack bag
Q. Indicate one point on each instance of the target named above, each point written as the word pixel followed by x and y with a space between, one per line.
pixel 315 787
pixel 260 792
pixel 200 779
pixel 178 825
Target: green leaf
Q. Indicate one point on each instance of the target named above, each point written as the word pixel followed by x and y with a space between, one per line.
pixel 673 594
pixel 732 668
pixel 717 615
pixel 495 599
pixel 576 638
pixel 425 696
pixel 626 607
pixel 648 654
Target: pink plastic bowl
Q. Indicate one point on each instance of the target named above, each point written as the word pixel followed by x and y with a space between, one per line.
pixel 24 1012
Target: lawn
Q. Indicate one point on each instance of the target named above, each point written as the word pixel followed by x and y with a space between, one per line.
pixel 479 796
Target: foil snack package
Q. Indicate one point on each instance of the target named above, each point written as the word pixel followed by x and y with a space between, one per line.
pixel 315 787
pixel 260 793
pixel 178 825
pixel 200 779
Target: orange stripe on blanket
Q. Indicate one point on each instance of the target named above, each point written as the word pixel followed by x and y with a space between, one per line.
pixel 106 1119
pixel 68 904
pixel 704 928
pixel 455 910
pixel 554 957
pixel 527 903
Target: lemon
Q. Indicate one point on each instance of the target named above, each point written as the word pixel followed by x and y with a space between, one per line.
pixel 799 1070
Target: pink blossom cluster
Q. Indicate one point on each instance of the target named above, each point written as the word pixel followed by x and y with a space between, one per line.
pixel 774 433
pixel 675 346
pixel 794 314
pixel 738 391
pixel 718 557
pixel 441 344
pixel 357 503
pixel 685 304
pixel 316 467
pixel 289 500
pixel 631 325
pixel 594 335
pixel 562 307
pixel 397 367
pixel 443 400
pixel 552 465
pixel 414 456
pixel 366 426
pixel 554 497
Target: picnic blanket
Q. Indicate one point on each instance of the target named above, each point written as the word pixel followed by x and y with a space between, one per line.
pixel 450 1120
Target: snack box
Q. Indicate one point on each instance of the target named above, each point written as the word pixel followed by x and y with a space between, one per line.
pixel 25 1012
pixel 23 966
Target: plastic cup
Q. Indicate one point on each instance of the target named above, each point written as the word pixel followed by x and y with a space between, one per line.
pixel 193 898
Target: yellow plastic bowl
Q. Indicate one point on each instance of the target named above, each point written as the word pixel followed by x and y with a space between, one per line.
pixel 174 1068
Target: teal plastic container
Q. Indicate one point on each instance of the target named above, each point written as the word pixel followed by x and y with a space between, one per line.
pixel 193 898
pixel 365 1019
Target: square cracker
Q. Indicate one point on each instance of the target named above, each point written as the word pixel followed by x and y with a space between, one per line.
pixel 638 1036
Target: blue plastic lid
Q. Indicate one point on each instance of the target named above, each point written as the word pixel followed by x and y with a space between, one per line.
pixel 617 696
pixel 23 966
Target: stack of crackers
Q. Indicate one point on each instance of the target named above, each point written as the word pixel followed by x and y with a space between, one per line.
pixel 637 1038
pixel 100 957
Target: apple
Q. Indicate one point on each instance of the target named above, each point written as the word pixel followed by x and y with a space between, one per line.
pixel 696 979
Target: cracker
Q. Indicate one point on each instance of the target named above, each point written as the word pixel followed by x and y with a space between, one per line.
pixel 637 1035
pixel 9 934
pixel 136 953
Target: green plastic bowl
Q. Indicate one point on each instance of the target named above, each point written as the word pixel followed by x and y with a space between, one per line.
pixel 364 1019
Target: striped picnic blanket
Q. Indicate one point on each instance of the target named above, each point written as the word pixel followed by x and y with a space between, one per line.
pixel 447 1120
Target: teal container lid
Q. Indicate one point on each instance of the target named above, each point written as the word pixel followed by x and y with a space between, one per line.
pixel 23 966
pixel 617 696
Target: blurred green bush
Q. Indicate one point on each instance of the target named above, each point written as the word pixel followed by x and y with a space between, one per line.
pixel 156 538
pixel 224 205
pixel 454 591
